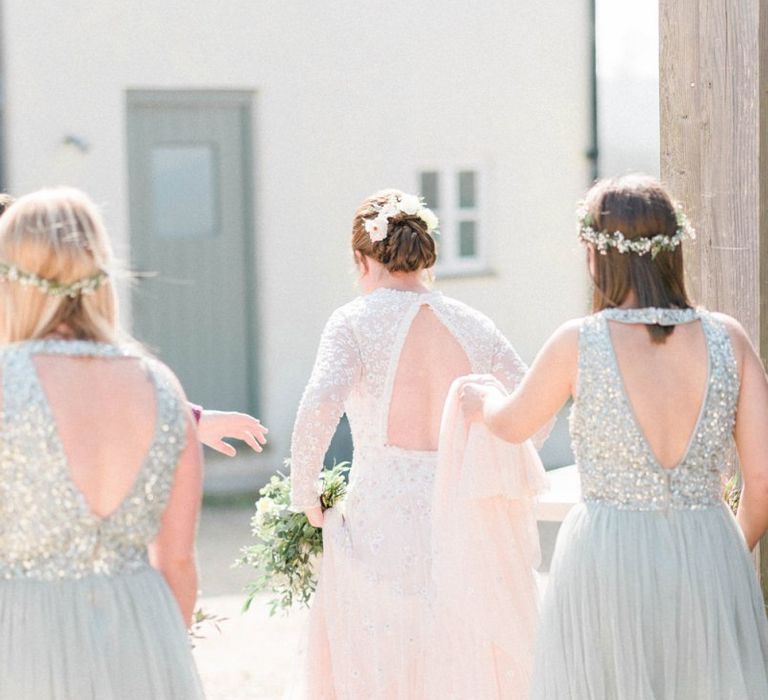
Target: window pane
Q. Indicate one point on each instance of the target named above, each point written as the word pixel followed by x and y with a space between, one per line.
pixel 467 196
pixel 467 239
pixel 430 189
pixel 184 190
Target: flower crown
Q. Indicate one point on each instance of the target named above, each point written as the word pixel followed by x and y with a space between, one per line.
pixel 86 285
pixel 602 240
pixel 410 204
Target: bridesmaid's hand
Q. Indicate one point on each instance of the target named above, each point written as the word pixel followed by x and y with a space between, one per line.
pixel 473 393
pixel 315 516
pixel 214 426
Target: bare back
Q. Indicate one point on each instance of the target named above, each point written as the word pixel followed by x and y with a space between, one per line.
pixel 99 463
pixel 387 360
pixel 430 359
pixel 665 384
pixel 105 415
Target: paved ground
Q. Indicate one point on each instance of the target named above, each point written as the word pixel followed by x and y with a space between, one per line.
pixel 251 655
pixel 250 658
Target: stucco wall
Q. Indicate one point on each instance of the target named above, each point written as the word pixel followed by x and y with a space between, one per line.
pixel 350 97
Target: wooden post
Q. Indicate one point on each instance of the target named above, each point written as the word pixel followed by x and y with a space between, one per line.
pixel 713 67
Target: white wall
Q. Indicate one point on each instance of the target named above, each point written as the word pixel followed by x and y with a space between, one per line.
pixel 628 86
pixel 350 97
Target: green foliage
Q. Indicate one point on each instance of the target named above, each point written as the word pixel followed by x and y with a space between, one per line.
pixel 201 618
pixel 288 546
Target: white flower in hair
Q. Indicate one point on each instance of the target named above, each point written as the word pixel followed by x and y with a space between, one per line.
pixel 429 218
pixel 377 228
pixel 603 240
pixel 410 204
pixel 53 288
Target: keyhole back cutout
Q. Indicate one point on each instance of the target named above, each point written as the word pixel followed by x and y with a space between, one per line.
pixel 430 359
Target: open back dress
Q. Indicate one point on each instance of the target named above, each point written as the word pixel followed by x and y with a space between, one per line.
pixel 652 593
pixel 82 613
pixel 372 629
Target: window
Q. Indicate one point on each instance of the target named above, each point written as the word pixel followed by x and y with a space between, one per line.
pixel 184 196
pixel 455 195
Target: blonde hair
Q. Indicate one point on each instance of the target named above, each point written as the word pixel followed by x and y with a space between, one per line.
pixel 57 235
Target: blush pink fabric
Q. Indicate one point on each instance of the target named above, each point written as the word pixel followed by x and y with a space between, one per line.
pixel 485 547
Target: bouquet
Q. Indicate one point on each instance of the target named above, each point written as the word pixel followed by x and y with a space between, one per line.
pixel 288 545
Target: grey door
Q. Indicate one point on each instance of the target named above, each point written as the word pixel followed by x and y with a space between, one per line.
pixel 190 182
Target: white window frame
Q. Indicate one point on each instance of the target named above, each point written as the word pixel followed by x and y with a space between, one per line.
pixel 449 262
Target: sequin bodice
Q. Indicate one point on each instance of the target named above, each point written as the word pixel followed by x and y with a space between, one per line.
pixel 615 461
pixel 47 530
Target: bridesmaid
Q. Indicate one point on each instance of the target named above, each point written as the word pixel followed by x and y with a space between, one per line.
pixel 213 427
pixel 100 475
pixel 652 592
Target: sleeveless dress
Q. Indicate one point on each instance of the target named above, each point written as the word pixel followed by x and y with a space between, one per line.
pixel 83 615
pixel 371 630
pixel 652 593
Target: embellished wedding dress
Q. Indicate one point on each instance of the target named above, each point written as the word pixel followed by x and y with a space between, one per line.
pixel 83 615
pixel 652 594
pixel 372 631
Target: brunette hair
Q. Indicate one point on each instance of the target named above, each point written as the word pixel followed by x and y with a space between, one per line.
pixel 58 235
pixel 639 207
pixel 408 246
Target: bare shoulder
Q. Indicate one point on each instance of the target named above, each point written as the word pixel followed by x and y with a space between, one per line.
pixel 566 336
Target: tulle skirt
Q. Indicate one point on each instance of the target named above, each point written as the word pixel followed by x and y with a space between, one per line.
pixel 651 606
pixel 405 609
pixel 97 638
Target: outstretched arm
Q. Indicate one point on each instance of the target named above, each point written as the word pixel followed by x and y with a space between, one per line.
pixel 214 426
pixel 546 387
pixel 751 436
pixel 337 367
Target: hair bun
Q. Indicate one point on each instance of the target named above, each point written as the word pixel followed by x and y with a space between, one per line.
pixel 409 246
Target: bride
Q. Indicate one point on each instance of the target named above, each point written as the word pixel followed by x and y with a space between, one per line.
pixel 387 359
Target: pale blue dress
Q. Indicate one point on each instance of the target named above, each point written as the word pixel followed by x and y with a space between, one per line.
pixel 652 593
pixel 82 613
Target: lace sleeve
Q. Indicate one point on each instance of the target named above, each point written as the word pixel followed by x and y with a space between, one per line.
pixel 509 369
pixel 337 367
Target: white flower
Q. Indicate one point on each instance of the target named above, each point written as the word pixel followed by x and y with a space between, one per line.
pixel 429 218
pixel 266 506
pixel 409 204
pixel 377 228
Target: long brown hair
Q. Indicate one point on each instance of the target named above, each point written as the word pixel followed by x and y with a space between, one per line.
pixel 639 207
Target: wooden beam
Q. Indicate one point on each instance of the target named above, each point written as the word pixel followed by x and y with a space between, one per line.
pixel 762 175
pixel 713 63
